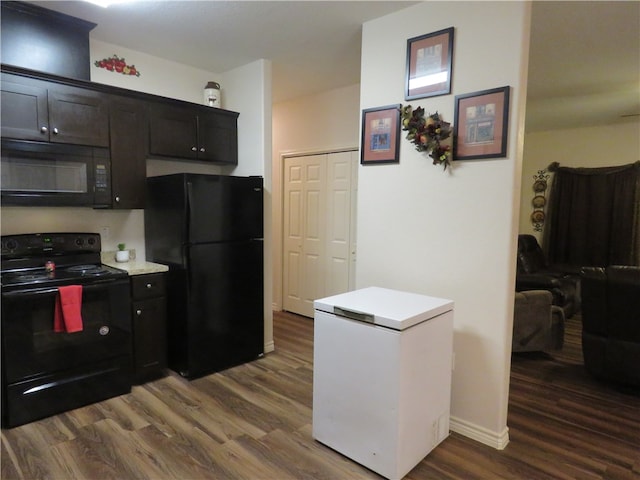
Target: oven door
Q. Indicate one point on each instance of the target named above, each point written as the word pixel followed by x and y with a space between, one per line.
pixel 30 346
pixel 46 373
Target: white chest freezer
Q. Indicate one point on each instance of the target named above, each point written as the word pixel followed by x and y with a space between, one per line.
pixel 382 376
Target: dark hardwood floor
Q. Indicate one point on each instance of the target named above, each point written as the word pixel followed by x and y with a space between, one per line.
pixel 254 422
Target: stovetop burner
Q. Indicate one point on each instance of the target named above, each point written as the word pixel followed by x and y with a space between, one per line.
pixel 87 269
pixel 31 277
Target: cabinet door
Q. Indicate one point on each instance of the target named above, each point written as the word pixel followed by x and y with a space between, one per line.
pixel 149 285
pixel 78 116
pixel 217 137
pixel 172 132
pixel 24 111
pixel 149 337
pixel 127 124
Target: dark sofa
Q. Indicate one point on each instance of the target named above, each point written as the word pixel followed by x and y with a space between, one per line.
pixel 534 273
pixel 611 323
pixel 537 324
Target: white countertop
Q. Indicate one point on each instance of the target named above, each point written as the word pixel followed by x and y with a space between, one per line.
pixel 134 266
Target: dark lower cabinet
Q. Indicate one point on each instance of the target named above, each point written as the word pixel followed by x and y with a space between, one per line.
pixel 149 326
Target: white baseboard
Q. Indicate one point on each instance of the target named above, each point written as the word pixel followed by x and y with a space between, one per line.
pixel 493 439
pixel 269 347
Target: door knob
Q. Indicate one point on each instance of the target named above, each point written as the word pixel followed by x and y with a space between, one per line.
pixel 44 129
pixel 55 131
pixel 194 149
pixel 138 312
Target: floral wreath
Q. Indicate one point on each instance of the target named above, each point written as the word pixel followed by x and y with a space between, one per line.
pixel 426 133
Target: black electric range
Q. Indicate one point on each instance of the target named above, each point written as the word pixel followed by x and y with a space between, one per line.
pixel 46 370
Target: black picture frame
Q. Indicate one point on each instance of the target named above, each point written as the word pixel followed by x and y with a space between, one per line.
pixel 380 141
pixel 481 124
pixel 429 64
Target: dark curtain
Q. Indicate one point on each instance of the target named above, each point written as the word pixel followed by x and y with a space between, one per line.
pixel 594 216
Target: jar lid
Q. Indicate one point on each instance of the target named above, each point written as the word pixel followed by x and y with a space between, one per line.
pixel 213 85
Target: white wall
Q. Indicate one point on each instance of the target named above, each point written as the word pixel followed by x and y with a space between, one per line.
pixel 323 122
pixel 451 234
pixel 589 147
pixel 157 75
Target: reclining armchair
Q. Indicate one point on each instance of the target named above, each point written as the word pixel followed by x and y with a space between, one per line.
pixel 534 273
pixel 537 324
pixel 611 323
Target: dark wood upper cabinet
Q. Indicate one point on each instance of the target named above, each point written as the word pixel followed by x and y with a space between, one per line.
pixel 133 125
pixel 25 114
pixel 48 112
pixel 78 116
pixel 217 136
pixel 173 131
pixel 127 124
pixel 193 132
pixel 45 41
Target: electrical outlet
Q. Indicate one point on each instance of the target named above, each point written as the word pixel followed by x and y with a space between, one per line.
pixel 104 232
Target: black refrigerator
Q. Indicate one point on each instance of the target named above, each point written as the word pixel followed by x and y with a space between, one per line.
pixel 209 230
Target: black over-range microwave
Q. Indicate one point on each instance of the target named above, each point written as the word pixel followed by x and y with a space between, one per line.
pixel 50 174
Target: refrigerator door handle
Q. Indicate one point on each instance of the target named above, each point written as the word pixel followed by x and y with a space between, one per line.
pixel 188 209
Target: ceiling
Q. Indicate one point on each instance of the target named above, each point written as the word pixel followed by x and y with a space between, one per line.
pixel 584 64
pixel 313 45
pixel 584 56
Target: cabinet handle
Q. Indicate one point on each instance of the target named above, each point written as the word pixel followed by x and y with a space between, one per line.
pixel 55 131
pixel 117 199
pixel 194 149
pixel 202 149
pixel 149 285
pixel 44 129
pixel 138 312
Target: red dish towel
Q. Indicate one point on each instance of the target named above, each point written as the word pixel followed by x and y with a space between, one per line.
pixel 67 317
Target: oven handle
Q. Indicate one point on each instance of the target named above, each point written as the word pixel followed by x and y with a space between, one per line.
pixel 45 291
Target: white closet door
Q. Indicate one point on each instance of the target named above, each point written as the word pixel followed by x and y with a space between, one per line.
pixel 340 258
pixel 304 232
pixel 318 237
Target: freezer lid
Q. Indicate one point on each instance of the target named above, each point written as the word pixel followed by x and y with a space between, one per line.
pixel 385 307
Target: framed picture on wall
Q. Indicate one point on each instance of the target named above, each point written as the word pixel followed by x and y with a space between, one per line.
pixel 429 60
pixel 481 122
pixel 380 135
